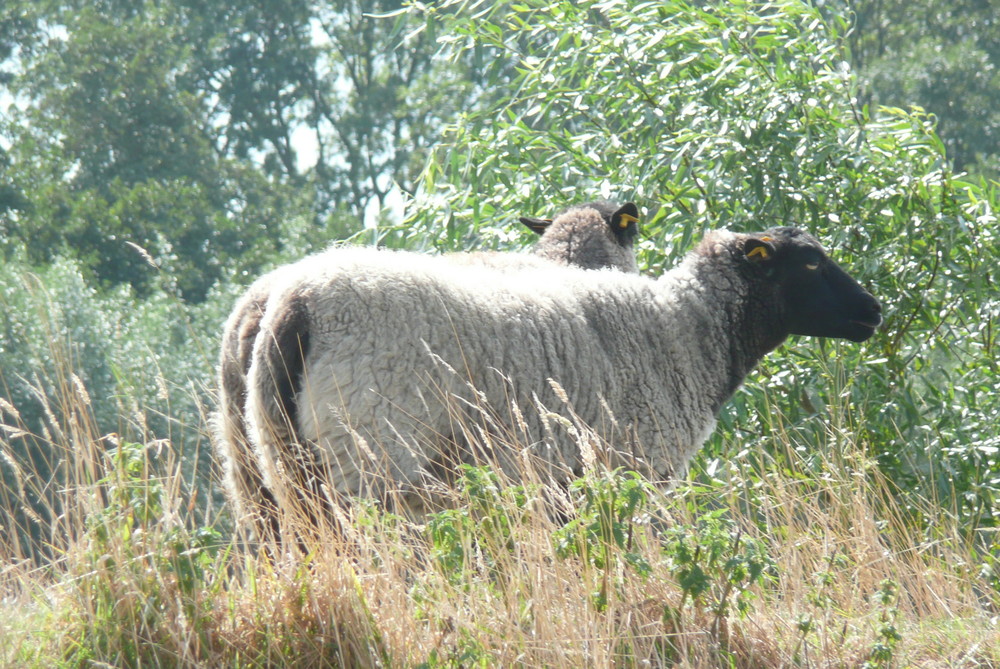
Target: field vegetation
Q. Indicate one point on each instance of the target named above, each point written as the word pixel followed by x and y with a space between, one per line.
pixel 845 512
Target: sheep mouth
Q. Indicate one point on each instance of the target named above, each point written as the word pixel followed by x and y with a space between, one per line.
pixel 864 329
pixel 871 325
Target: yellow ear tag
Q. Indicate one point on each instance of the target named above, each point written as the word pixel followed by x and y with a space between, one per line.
pixel 625 219
pixel 759 251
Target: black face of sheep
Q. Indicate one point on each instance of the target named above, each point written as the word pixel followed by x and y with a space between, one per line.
pixel 622 220
pixel 819 298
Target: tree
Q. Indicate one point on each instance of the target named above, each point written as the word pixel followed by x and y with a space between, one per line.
pixel 175 126
pixel 943 57
pixel 360 80
pixel 109 150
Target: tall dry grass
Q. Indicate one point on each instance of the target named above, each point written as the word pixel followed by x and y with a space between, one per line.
pixel 772 562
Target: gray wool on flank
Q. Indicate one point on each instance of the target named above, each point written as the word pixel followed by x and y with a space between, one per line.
pixel 580 236
pixel 393 344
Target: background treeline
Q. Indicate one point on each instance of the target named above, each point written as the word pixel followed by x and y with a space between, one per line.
pixel 156 156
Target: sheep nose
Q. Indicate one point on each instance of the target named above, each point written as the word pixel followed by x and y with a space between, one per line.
pixel 875 312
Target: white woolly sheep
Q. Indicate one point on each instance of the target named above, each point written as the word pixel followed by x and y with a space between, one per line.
pixel 365 358
pixel 593 236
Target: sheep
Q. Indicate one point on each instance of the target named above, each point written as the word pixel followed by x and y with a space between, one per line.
pixel 365 361
pixel 576 236
pixel 593 235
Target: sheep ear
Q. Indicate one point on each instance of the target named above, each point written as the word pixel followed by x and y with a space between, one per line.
pixel 758 250
pixel 536 225
pixel 625 223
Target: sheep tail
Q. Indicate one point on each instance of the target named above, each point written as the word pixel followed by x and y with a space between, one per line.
pixel 276 375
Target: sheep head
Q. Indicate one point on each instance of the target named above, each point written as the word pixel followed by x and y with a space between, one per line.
pixel 814 295
pixel 622 221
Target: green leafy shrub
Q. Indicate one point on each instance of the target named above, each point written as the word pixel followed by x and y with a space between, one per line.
pixel 73 355
pixel 715 565
pixel 743 115
pixel 142 573
pixel 887 635
pixel 481 528
pixel 609 508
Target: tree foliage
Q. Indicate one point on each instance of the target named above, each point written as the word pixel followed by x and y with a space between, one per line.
pixel 180 127
pixel 109 152
pixel 943 57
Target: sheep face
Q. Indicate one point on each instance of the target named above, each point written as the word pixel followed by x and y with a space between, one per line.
pixel 818 298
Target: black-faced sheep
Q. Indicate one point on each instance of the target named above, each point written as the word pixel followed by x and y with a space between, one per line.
pixel 363 365
pixel 591 236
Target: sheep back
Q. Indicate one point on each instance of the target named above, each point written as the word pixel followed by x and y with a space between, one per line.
pixel 242 481
pixel 403 351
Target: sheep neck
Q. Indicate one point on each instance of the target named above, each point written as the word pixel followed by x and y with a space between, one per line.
pixel 735 322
